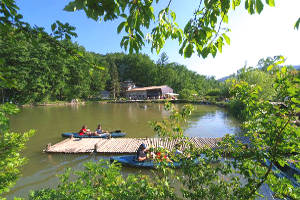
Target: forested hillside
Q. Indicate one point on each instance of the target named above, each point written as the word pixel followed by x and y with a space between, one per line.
pixel 145 72
pixel 43 69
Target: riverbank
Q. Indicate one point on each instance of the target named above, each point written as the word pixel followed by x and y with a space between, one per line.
pixel 198 102
pixel 177 101
pixel 56 103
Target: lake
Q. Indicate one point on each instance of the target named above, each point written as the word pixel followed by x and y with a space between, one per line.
pixel 132 118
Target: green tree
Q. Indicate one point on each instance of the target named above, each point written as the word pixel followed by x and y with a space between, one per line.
pixel 97 181
pixel 59 75
pixel 114 81
pixel 264 63
pixel 11 145
pixel 163 60
pixel 188 94
pixel 260 78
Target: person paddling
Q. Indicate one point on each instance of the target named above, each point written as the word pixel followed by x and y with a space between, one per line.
pixel 141 153
pixel 99 130
pixel 83 130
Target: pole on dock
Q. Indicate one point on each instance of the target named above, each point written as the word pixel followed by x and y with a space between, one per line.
pixel 95 148
pixel 48 146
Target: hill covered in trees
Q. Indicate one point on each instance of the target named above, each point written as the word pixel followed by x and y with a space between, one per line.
pixel 43 69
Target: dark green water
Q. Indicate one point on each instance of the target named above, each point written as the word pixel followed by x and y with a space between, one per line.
pixel 49 122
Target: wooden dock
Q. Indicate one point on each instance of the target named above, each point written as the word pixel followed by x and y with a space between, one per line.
pixel 122 145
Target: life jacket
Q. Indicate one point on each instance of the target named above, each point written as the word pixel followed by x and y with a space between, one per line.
pixel 82 131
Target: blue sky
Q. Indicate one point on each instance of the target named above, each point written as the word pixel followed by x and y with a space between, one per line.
pixel 252 37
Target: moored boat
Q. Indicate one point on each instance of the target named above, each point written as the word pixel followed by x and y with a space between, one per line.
pixel 131 161
pixel 288 171
pixel 113 134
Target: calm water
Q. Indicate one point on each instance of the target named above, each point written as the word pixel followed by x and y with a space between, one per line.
pixel 49 122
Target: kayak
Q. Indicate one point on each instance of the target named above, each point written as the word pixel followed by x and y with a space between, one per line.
pixel 112 134
pixel 131 161
pixel 288 172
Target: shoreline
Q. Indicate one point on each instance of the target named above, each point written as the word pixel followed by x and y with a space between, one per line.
pixel 178 101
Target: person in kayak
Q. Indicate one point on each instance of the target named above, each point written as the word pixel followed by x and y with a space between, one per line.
pixel 141 154
pixel 100 131
pixel 83 130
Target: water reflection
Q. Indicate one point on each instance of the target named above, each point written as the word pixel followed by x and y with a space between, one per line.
pixel 212 124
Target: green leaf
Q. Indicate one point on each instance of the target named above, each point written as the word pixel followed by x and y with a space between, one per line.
pixel 296 101
pixel 188 51
pixel 235 3
pixel 284 70
pixel 297 24
pixel 225 18
pixel 246 4
pixel 271 3
pixel 182 47
pixel 2 61
pixel 281 162
pixel 124 16
pixel 120 27
pixel 80 54
pixel 205 52
pixel 270 67
pixel 71 7
pixel 280 61
pixel 173 15
pixel 187 27
pixel 227 39
pixel 259 6
pixel 67 37
pixel 126 44
pixel 219 44
pixel 251 7
pixel 99 67
pixel 214 50
pixel 53 26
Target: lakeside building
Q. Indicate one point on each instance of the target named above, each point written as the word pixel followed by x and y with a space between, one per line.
pixel 152 92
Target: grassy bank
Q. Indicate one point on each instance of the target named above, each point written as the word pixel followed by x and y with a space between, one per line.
pixel 81 102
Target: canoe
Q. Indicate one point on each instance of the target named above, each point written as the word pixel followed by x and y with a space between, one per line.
pixel 288 172
pixel 131 161
pixel 113 134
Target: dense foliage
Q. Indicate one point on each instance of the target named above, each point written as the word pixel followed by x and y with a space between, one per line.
pixel 104 181
pixel 45 71
pixel 144 72
pixel 262 76
pixel 11 144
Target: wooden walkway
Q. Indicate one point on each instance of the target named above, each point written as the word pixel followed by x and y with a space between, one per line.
pixel 122 145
